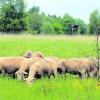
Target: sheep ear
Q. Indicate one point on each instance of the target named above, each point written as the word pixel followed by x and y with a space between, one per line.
pixel 25 72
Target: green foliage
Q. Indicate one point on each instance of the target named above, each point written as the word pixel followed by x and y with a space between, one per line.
pixel 51 25
pixel 94 25
pixel 57 28
pixel 35 10
pixel 67 22
pixel 34 23
pixel 12 15
pixel 47 28
pixel 13 18
pixel 82 26
pixel 57 25
pixel 34 20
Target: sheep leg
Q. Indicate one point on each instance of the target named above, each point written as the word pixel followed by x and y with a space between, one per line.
pixel 3 73
pixel 48 76
pixel 82 74
pixel 62 74
pixel 93 73
pixel 55 74
pixel 19 75
pixel 87 74
pixel 42 76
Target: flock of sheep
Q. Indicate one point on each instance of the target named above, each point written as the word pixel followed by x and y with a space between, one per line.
pixel 32 66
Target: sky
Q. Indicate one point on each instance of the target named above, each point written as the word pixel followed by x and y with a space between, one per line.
pixel 76 8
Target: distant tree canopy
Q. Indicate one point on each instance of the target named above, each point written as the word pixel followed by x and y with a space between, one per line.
pixel 34 20
pixel 67 22
pixel 12 16
pixel 94 25
pixel 15 18
pixel 34 23
pixel 82 25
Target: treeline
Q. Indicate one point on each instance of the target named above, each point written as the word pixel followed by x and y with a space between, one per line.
pixel 15 18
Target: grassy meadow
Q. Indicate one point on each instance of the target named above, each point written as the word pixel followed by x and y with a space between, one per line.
pixel 70 88
pixel 61 46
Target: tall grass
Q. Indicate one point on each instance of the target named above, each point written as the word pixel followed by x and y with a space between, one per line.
pixel 61 46
pixel 70 88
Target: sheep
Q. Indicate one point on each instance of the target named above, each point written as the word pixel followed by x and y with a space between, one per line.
pixel 44 67
pixel 27 64
pixel 83 67
pixel 25 67
pixel 92 69
pixel 9 65
pixel 56 59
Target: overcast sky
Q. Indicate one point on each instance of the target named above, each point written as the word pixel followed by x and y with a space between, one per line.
pixel 76 8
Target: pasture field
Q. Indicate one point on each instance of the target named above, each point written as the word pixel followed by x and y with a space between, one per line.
pixel 61 46
pixel 70 88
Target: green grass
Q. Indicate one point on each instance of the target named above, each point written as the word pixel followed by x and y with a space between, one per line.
pixel 53 89
pixel 70 88
pixel 61 46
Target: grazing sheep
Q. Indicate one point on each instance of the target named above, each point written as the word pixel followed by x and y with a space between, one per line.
pixel 44 67
pixel 83 67
pixel 25 66
pixel 9 65
pixel 92 69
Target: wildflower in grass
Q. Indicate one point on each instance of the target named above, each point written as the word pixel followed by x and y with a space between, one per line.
pixel 98 85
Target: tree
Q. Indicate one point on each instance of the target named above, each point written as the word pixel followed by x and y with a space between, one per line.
pixel 47 28
pixel 67 22
pixel 34 20
pixel 34 23
pixel 3 2
pixel 57 28
pixel 82 26
pixel 94 25
pixel 34 9
pixel 56 23
pixel 12 17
